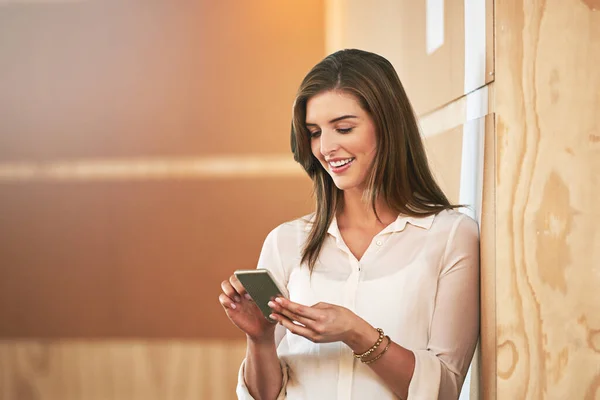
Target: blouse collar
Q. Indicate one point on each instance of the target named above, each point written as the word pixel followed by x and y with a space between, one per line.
pixel 397 226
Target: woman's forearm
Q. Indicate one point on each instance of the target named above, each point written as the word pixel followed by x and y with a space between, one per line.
pixel 395 367
pixel 262 372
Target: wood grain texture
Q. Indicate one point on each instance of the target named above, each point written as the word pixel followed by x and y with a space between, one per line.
pixel 119 370
pixel 548 164
pixel 485 386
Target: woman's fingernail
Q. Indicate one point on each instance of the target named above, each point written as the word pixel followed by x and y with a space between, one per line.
pixel 233 306
pixel 278 299
pixel 237 299
pixel 271 304
pixel 247 296
pixel 273 316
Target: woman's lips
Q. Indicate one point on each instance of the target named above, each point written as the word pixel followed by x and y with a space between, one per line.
pixel 340 169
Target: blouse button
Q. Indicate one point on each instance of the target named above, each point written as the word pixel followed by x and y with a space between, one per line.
pixel 379 243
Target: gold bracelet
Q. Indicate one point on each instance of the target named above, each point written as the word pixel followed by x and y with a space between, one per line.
pixel 380 354
pixel 372 349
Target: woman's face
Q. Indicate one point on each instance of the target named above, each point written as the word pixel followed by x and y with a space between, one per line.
pixel 342 137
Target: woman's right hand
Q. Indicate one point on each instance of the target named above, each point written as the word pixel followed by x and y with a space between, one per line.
pixel 243 312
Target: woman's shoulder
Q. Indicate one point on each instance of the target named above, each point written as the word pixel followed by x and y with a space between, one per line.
pixel 451 221
pixel 300 224
pixel 293 228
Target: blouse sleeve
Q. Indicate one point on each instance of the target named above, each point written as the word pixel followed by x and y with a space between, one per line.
pixel 242 391
pixel 441 368
pixel 269 259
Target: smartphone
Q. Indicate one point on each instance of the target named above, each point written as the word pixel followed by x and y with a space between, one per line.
pixel 261 286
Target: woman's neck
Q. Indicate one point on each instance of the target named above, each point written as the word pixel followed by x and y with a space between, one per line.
pixel 356 213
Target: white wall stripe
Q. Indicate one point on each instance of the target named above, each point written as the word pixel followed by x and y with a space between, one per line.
pixel 471 170
pixel 476 107
pixel 475 39
pixel 477 104
pixel 471 183
pixel 434 25
pixel 471 191
pixel 152 168
pixel 467 108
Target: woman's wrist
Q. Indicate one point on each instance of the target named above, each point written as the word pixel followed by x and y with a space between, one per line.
pixel 361 337
pixel 268 338
pixel 261 342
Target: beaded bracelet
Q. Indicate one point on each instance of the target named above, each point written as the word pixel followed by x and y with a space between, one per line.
pixel 380 354
pixel 372 349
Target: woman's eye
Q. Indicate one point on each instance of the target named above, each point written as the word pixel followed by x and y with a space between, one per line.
pixel 345 130
pixel 315 134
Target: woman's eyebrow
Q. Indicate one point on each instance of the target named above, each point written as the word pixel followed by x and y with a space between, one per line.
pixel 334 120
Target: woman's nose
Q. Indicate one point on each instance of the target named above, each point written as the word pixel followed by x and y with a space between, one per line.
pixel 329 143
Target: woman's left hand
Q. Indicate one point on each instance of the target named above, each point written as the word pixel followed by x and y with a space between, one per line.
pixel 321 323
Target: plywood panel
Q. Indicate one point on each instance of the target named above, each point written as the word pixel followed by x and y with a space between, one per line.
pixel 548 164
pixel 125 370
pixel 444 152
pixel 132 259
pixel 476 104
pixel 485 386
pixel 398 31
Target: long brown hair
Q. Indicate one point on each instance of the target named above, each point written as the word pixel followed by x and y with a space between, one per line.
pixel 400 174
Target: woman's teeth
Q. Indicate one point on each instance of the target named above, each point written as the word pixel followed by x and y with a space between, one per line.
pixel 340 163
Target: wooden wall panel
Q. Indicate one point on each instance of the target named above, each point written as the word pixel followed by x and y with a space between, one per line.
pixel 444 151
pixel 119 370
pixel 485 386
pixel 397 29
pixel 548 164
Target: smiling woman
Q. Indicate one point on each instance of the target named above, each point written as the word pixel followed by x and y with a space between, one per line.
pixel 383 278
pixel 345 146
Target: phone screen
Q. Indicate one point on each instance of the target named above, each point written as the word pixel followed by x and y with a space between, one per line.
pixel 261 286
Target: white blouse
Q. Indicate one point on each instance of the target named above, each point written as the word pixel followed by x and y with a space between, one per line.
pixel 418 281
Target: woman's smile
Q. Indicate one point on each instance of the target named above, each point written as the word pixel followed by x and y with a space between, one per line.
pixel 337 166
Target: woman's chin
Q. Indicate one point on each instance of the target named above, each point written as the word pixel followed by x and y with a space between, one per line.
pixel 345 184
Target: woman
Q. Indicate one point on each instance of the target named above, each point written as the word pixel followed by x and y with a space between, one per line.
pixel 383 278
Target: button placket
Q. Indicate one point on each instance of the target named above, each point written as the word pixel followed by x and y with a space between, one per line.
pixel 379 241
pixel 346 363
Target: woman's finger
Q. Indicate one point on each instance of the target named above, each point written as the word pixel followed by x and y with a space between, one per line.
pixel 230 291
pixel 276 307
pixel 237 285
pixel 226 302
pixel 295 328
pixel 299 309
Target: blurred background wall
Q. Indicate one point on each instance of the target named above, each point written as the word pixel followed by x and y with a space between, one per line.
pixel 144 156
